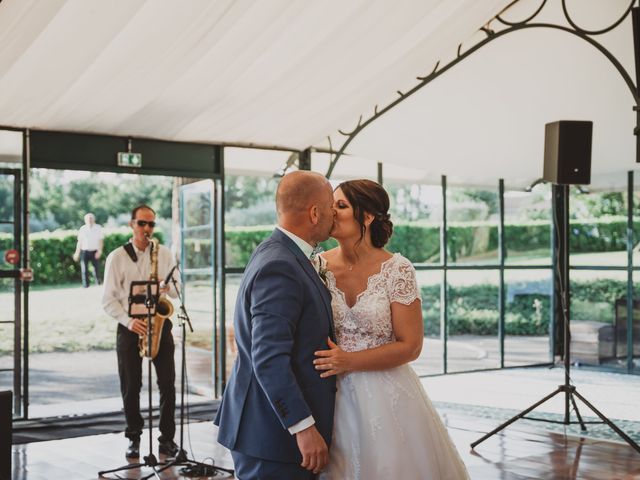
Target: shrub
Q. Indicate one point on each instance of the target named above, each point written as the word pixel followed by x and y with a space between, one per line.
pixel 51 253
pixel 474 310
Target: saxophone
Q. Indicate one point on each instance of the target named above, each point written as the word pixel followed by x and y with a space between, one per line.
pixel 164 309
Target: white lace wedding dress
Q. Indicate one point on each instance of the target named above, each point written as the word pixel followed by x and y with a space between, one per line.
pixel 384 425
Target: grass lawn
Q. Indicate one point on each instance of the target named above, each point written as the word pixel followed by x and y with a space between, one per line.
pixel 68 318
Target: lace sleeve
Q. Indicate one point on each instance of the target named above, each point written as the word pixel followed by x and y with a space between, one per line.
pixel 403 286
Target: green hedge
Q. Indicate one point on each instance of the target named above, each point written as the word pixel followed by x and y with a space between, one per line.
pixel 602 235
pixel 420 242
pixel 51 254
pixel 474 309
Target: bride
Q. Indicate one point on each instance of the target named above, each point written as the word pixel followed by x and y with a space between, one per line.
pixel 384 424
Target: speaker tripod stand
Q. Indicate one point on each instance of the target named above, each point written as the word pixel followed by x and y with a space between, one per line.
pixel 150 303
pixel 561 199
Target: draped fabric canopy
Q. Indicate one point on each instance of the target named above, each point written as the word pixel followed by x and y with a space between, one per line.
pixel 292 73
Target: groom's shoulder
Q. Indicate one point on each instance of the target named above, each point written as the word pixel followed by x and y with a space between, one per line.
pixel 272 245
pixel 274 251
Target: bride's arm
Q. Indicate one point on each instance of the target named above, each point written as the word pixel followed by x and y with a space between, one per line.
pixel 408 330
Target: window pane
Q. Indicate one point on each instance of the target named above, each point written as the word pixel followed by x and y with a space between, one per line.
pixel 472 226
pixel 431 359
pixel 6 345
pixel 197 208
pixel 416 213
pixel 527 316
pixel 598 228
pixel 232 284
pixel 593 317
pixel 473 320
pixel 527 226
pixel 250 210
pixel 10 149
pixel 7 204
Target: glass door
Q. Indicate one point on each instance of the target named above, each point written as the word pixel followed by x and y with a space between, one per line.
pixel 11 288
pixel 198 275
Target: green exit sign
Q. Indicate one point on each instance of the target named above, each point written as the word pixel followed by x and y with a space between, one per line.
pixel 128 159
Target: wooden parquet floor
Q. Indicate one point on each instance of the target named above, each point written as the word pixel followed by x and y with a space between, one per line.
pixel 519 452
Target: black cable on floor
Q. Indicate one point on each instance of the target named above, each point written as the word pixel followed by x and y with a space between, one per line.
pixel 199 470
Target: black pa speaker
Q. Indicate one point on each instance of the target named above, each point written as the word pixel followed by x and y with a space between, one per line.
pixel 6 403
pixel 567 152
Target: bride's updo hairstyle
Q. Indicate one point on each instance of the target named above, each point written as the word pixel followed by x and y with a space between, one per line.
pixel 366 196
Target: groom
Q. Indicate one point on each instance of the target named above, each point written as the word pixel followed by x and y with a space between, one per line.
pixel 276 414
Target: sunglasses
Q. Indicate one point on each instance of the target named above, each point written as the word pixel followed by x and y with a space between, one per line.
pixel 144 223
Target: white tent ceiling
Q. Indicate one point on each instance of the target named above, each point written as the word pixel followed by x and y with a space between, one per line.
pixel 290 74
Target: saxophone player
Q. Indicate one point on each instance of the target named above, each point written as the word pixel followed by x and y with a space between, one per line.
pixel 132 262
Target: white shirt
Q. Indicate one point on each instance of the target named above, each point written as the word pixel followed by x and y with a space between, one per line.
pixel 120 271
pixel 90 237
pixel 307 250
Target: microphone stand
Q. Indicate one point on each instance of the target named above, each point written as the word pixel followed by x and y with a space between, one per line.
pixel 149 460
pixel 182 458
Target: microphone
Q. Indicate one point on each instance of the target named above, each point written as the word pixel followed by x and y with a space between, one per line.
pixel 166 280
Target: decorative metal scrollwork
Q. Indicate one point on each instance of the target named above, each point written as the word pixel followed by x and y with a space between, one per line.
pixel 595 32
pixel 521 22
pixel 502 26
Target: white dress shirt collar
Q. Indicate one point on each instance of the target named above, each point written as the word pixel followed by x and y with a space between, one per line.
pixel 306 248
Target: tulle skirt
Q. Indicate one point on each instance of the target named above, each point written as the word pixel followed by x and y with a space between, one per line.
pixel 385 426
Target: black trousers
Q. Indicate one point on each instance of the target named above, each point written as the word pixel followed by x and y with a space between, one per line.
pixel 130 371
pixel 87 256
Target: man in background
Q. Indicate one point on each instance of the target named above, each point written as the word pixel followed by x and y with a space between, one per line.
pixel 89 248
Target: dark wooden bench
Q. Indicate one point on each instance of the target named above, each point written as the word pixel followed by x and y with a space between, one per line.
pixel 591 342
pixel 621 328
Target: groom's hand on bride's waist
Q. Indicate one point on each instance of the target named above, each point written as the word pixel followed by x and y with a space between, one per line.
pixel 314 450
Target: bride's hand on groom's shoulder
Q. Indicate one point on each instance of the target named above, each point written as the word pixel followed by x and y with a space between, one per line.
pixel 332 361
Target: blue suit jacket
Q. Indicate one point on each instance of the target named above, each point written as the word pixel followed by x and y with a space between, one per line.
pixel 282 315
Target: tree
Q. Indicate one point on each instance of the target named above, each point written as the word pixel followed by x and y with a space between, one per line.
pixel 60 203
pixel 6 202
pixel 409 202
pixel 598 204
pixel 243 192
pixel 485 197
pixel 250 200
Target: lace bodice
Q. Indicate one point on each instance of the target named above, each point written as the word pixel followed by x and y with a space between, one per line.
pixel 367 323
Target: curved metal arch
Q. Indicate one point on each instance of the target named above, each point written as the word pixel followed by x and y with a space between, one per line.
pixel 492 35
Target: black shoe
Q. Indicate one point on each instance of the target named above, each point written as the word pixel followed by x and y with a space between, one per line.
pixel 168 448
pixel 133 450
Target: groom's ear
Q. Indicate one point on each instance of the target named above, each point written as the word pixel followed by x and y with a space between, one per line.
pixel 313 214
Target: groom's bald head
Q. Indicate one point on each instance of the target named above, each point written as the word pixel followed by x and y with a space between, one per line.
pixel 304 203
pixel 298 190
